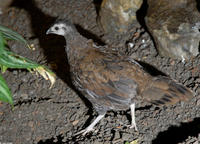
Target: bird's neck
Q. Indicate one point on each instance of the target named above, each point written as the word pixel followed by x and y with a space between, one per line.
pixel 76 46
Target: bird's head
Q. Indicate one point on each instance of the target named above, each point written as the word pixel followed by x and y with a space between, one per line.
pixel 61 27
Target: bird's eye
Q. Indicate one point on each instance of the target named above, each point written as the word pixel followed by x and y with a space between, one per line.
pixel 56 28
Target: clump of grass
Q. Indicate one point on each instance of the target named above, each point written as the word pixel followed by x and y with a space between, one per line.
pixel 8 59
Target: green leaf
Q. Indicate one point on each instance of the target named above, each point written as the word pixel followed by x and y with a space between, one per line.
pixel 2 42
pixel 5 94
pixel 12 60
pixel 11 35
pixel 9 59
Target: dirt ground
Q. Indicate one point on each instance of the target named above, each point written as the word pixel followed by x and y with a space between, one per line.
pixel 42 115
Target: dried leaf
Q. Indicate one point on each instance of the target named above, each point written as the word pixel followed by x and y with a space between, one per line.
pixel 134 142
pixel 46 74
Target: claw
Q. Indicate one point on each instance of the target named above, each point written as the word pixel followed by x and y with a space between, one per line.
pixel 133 126
pixel 91 126
pixel 84 131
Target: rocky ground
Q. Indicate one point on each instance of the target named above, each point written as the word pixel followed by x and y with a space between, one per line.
pixel 42 115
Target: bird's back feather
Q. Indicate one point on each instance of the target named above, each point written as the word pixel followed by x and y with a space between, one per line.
pixel 165 91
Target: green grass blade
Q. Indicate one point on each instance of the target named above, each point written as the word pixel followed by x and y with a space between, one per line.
pixel 12 35
pixel 12 60
pixel 9 59
pixel 2 43
pixel 5 94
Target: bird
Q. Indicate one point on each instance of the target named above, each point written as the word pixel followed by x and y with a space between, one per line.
pixel 112 82
pixel 174 25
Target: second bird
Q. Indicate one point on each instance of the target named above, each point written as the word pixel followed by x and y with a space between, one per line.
pixel 110 82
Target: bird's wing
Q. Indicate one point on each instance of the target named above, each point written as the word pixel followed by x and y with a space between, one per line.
pixel 109 81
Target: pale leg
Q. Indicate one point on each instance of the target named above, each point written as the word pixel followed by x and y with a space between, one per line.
pixel 91 126
pixel 133 123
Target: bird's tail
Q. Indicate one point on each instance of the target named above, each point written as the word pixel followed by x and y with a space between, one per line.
pixel 165 91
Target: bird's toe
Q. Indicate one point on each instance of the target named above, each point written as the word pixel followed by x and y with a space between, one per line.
pixel 84 131
pixel 133 126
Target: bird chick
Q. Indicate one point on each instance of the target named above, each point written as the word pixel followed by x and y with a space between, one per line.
pixel 110 82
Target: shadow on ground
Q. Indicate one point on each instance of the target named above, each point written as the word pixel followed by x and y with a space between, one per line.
pixel 177 134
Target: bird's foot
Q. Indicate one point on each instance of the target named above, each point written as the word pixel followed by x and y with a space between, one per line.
pixel 133 123
pixel 91 126
pixel 133 126
pixel 85 131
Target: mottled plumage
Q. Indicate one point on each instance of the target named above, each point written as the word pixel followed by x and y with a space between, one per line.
pixel 111 82
pixel 174 25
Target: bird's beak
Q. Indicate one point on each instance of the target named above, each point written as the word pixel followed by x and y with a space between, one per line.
pixel 48 31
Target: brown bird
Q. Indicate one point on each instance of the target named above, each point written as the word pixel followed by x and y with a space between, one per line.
pixel 111 82
pixel 174 25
